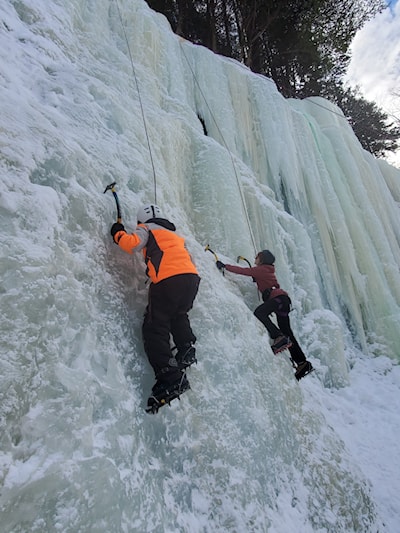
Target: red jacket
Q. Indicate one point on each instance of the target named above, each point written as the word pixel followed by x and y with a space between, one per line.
pixel 263 275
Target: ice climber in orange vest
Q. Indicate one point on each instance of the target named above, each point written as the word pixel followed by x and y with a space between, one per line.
pixel 275 300
pixel 174 285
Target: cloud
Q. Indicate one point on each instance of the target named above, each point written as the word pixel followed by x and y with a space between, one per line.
pixel 375 63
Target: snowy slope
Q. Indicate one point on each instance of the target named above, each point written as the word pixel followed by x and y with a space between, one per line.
pixel 95 92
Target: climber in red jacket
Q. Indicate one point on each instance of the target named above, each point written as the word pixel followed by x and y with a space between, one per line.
pixel 275 300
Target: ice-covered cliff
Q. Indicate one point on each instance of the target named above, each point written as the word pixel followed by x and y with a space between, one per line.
pixel 95 92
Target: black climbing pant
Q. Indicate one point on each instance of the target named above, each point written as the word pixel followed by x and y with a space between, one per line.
pixel 280 305
pixel 166 314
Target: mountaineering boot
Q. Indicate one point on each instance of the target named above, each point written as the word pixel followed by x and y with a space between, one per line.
pixel 280 344
pixel 303 369
pixel 186 356
pixel 164 392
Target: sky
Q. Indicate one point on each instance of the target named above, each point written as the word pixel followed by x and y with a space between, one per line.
pixel 375 64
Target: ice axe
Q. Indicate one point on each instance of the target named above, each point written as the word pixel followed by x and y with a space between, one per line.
pixel 240 257
pixel 111 188
pixel 208 249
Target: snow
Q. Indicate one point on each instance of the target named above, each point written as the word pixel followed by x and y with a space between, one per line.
pixel 96 92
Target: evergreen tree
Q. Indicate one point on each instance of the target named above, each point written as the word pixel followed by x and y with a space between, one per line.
pixel 303 45
pixel 371 125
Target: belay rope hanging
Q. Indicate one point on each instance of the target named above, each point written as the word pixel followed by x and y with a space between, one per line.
pixel 140 102
pixel 211 114
pixel 226 147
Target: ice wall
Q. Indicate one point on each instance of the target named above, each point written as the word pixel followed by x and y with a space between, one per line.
pixel 240 451
pixel 307 154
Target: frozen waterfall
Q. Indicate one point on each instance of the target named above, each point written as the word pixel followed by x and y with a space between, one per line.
pixel 248 449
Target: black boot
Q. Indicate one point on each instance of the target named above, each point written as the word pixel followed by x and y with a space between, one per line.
pixel 186 356
pixel 164 391
pixel 303 369
pixel 281 343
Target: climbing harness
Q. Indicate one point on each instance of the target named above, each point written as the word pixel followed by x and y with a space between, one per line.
pixel 140 102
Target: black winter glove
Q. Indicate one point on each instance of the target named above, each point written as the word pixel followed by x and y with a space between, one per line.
pixel 220 265
pixel 115 228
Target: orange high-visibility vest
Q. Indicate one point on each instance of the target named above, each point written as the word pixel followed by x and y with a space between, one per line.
pixel 165 253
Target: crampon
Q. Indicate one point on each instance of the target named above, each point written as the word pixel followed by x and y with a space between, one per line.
pixel 164 395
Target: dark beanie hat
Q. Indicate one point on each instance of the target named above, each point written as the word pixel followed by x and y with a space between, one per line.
pixel 267 257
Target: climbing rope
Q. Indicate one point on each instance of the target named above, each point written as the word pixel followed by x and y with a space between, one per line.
pixel 140 102
pixel 227 148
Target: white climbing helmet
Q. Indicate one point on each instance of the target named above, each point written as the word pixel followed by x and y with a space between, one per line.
pixel 146 212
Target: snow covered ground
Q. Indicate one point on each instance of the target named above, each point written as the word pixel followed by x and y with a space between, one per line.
pixel 366 416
